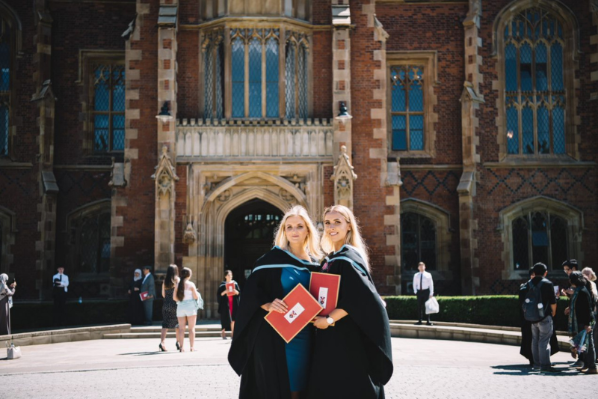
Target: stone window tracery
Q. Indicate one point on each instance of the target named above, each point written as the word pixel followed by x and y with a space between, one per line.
pixel 89 249
pixel 5 85
pixel 407 107
pixel 418 241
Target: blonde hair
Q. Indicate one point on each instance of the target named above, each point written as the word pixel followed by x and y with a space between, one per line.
pixel 589 273
pixel 312 246
pixel 353 237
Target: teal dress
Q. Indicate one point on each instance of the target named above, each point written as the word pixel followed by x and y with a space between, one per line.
pixel 298 351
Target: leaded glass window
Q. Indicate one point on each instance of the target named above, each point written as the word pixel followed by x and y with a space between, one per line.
pixel 418 235
pixel 407 107
pixel 108 115
pixel 296 77
pixel 534 83
pixel 93 242
pixel 539 237
pixel 214 77
pixel 255 81
pixel 5 86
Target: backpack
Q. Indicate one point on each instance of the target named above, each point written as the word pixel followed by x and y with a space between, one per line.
pixel 533 308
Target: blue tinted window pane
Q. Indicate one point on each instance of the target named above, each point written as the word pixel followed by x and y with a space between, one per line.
pixel 525 67
pixel 416 132
pixel 302 81
pixel 511 67
pixel 399 133
pixel 398 98
pixel 238 78
pixel 118 132
pixel 101 128
pixel 527 117
pixel 209 83
pixel 543 131
pixel 556 66
pixel 102 89
pixel 4 67
pixel 416 97
pixel 272 110
pixel 290 81
pixel 255 78
pixel 541 67
pixel 558 130
pixel 3 130
pixel 512 130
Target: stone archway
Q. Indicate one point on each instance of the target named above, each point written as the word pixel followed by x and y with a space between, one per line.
pixel 248 234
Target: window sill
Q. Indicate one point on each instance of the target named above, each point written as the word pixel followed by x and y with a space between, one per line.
pixel 539 161
pixel 7 163
pixel 410 154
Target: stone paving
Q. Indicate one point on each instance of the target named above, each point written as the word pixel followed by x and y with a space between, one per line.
pixel 134 368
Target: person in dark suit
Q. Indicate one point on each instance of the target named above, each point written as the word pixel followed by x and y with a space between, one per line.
pixel 136 313
pixel 148 285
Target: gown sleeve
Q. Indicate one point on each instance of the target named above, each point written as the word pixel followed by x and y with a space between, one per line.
pixel 359 298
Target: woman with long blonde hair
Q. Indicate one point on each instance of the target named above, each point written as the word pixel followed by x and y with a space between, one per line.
pixel 353 355
pixel 270 368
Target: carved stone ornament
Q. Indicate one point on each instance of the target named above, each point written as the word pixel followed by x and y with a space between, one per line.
pixel 285 195
pixel 225 196
pixel 343 177
pixel 165 175
pixel 189 236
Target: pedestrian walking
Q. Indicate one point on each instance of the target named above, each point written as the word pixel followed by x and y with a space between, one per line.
pixel 186 296
pixel 6 293
pixel 148 289
pixel 268 367
pixel 353 358
pixel 169 306
pixel 228 304
pixel 423 286
pixel 135 312
pixel 538 302
pixel 591 277
pixel 60 284
pixel 581 318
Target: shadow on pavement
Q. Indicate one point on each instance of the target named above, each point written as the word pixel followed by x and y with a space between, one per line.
pixel 524 369
pixel 145 353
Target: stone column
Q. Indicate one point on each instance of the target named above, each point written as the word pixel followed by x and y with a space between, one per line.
pixel 594 42
pixel 470 104
pixel 46 102
pixel 167 90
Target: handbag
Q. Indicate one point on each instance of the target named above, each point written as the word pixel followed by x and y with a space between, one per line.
pixel 198 302
pixel 432 306
pixel 13 352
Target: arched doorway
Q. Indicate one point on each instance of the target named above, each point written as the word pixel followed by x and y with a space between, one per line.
pixel 248 234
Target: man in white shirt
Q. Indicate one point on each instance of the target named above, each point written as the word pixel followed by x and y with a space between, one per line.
pixel 60 283
pixel 423 286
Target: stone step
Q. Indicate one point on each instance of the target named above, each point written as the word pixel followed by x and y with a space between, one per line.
pixel 156 335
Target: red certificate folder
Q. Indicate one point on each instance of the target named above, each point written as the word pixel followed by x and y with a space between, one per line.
pixel 302 308
pixel 144 295
pixel 230 289
pixel 325 287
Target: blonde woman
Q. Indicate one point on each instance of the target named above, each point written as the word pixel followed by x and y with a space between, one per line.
pixel 270 368
pixel 353 358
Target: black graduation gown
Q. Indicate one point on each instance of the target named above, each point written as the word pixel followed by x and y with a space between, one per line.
pixel 225 316
pixel 257 352
pixel 135 313
pixel 353 359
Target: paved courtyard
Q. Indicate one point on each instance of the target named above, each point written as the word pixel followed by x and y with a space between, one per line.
pixel 133 368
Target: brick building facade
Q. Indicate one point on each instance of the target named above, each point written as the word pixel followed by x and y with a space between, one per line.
pixel 139 132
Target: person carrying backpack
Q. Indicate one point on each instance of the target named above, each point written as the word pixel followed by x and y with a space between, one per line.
pixel 538 302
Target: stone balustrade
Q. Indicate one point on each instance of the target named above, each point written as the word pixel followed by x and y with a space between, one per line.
pixel 196 139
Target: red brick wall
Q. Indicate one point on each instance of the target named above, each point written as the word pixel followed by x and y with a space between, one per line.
pixel 187 78
pixel 322 75
pixel 180 249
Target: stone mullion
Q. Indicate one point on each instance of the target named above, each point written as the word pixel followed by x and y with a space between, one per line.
pixel 228 99
pixel 282 98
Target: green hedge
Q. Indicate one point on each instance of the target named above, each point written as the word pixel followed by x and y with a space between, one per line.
pixel 36 315
pixel 495 310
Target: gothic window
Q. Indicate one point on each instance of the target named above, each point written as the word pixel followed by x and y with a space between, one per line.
pixel 268 79
pixel 5 85
pixel 535 92
pixel 108 107
pixel 539 237
pixel 407 107
pixel 418 241
pixel 90 239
